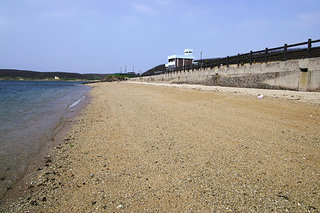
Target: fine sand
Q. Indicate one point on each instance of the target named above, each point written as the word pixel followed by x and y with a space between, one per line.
pixel 148 148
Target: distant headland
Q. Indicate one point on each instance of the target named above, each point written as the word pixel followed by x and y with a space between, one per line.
pixel 27 75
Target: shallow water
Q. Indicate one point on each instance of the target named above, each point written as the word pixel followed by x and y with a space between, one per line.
pixel 30 112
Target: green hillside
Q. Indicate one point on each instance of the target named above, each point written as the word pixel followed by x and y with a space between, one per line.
pixel 12 74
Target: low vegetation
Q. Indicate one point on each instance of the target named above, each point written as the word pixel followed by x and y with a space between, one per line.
pixel 116 77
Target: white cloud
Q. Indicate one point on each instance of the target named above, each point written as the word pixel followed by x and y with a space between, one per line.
pixel 303 20
pixel 144 9
pixel 308 17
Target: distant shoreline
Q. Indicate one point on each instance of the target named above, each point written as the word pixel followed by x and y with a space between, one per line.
pixel 47 79
pixel 13 74
pixel 27 75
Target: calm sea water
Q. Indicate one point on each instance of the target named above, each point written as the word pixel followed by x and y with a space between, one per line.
pixel 30 111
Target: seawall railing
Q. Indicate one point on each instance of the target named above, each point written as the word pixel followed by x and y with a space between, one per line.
pixel 308 49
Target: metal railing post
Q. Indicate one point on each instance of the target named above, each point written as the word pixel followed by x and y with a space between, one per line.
pixel 309 48
pixel 266 55
pixel 227 61
pixel 285 49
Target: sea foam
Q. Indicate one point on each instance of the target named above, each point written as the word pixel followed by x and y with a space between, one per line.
pixel 76 102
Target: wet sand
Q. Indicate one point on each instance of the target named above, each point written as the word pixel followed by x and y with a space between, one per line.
pixel 144 148
pixel 37 161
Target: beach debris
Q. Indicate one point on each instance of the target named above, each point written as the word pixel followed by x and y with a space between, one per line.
pixel 283 196
pixel 91 175
pixel 260 96
pixel 120 206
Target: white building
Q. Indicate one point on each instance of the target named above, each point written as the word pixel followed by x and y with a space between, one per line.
pixel 175 61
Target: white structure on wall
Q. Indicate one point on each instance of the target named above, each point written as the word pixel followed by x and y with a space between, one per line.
pixel 181 60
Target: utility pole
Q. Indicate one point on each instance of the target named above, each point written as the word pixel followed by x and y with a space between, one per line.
pixel 200 55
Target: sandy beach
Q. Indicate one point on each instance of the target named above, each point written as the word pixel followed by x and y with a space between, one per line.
pixel 151 148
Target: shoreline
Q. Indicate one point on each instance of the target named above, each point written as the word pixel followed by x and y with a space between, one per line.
pixel 298 96
pixel 54 139
pixel 149 148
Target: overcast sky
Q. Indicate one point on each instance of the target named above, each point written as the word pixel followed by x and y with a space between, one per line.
pixel 101 36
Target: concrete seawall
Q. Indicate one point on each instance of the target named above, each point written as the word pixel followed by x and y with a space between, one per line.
pixel 302 75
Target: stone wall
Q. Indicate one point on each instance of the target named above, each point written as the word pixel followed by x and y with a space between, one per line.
pixel 302 75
